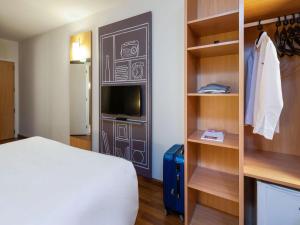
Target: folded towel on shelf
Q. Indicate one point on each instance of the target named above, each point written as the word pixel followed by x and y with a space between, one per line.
pixel 214 89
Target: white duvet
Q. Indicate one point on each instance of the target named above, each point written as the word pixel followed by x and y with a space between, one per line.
pixel 43 182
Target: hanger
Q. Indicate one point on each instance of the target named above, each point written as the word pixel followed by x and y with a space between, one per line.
pixel 288 46
pixel 259 27
pixel 287 41
pixel 292 34
pixel 297 30
pixel 278 40
pixel 291 30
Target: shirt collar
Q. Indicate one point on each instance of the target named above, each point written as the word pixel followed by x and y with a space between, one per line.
pixel 261 38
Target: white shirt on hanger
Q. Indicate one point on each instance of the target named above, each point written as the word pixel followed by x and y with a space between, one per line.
pixel 268 101
pixel 257 54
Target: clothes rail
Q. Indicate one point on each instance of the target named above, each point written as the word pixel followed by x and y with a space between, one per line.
pixel 273 20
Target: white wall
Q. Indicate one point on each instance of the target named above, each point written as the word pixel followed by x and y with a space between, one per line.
pixel 9 51
pixel 44 89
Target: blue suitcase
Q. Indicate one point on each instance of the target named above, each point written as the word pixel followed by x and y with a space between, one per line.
pixel 174 180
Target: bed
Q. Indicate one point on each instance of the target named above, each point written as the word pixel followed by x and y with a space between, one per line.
pixel 43 182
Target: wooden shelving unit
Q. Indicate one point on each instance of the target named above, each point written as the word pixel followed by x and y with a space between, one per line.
pixel 216 183
pixel 207 216
pixel 216 174
pixel 230 140
pixel 212 171
pixel 282 169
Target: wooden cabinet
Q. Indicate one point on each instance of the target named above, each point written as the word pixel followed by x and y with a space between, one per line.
pixel 217 43
pixel 212 56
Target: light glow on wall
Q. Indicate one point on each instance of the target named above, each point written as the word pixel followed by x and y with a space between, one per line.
pixel 78 52
pixel 81 47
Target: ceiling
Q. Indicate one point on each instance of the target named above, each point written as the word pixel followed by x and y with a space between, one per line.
pixel 20 19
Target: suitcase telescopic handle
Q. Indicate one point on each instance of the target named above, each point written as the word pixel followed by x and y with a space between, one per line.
pixel 178 185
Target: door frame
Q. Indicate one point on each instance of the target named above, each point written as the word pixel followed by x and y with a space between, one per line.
pixel 16 100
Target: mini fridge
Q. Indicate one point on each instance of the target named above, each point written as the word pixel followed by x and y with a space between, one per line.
pixel 277 205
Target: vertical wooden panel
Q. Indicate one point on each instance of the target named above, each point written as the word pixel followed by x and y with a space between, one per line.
pixel 191 9
pixel 241 112
pixel 6 100
pixel 212 7
pixel 190 113
pixel 191 195
pixel 191 73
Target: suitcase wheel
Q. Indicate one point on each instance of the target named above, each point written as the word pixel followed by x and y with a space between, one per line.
pixel 167 212
pixel 181 218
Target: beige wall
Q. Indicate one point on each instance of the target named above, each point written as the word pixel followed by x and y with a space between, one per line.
pixel 44 89
pixel 9 51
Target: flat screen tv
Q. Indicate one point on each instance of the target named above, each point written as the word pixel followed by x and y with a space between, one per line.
pixel 121 100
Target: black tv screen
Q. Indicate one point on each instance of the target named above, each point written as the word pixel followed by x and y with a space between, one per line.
pixel 121 100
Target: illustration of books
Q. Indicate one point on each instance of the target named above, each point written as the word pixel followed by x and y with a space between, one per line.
pixel 122 72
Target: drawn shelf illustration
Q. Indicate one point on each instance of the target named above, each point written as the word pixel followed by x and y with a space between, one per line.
pixel 138 70
pixel 105 143
pixel 126 59
pixel 127 52
pixel 107 68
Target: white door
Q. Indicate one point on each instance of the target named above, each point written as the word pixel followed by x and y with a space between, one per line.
pixel 277 205
pixel 79 100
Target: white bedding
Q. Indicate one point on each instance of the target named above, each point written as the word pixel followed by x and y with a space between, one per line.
pixel 43 182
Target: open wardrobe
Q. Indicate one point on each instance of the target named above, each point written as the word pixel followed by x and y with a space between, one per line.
pixel 242 84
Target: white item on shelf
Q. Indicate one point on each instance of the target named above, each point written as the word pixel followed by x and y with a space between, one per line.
pixel 277 205
pixel 213 135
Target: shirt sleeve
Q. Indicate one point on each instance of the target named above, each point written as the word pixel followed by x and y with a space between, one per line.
pixel 249 87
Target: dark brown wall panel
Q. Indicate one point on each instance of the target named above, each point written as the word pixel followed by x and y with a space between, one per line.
pixel 125 50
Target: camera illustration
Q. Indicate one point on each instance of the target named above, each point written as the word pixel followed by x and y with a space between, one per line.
pixel 130 49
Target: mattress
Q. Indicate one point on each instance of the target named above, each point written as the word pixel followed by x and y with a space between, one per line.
pixel 43 182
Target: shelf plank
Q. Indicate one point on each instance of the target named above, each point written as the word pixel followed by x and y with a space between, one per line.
pixel 216 183
pixel 208 216
pixel 230 140
pixel 220 23
pixel 219 49
pixel 273 167
pixel 213 95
